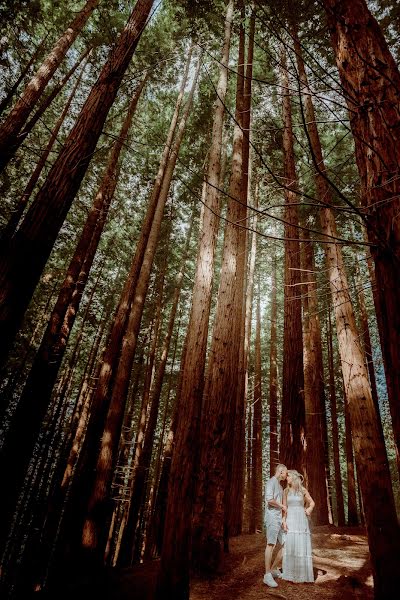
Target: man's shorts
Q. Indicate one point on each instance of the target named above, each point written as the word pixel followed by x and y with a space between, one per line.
pixel 275 533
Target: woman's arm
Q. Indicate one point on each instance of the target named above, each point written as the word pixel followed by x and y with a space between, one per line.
pixel 310 502
pixel 284 524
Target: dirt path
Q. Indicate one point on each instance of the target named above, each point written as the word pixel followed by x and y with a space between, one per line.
pixel 341 568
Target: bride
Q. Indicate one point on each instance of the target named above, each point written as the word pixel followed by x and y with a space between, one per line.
pixel 297 559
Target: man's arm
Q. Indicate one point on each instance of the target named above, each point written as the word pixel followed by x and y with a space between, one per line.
pixel 269 496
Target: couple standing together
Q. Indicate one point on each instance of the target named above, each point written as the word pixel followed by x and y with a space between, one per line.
pixel 286 520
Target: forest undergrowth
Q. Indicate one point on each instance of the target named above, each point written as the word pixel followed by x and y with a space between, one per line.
pixel 341 570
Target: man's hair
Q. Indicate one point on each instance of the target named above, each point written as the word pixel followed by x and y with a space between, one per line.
pixel 279 467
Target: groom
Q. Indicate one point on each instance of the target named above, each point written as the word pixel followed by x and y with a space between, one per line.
pixel 273 523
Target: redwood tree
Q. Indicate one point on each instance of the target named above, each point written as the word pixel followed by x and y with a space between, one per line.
pixel 371 80
pixel 175 558
pixel 23 107
pixel 22 262
pixel 292 447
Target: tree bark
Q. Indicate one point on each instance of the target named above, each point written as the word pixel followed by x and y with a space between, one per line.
pixel 175 562
pixel 292 447
pixel 314 396
pixel 369 446
pixel 273 378
pixel 352 517
pixel 371 80
pixel 36 396
pixel 98 508
pixel 143 455
pixel 236 482
pixel 340 518
pixel 219 409
pixel 22 264
pixel 16 119
pixel 256 522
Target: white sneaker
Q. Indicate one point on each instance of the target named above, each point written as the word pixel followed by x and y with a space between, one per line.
pixel 276 573
pixel 269 580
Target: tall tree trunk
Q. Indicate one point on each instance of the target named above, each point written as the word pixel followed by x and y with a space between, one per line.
pixel 92 426
pixel 218 417
pixel 248 491
pixel 175 558
pixel 367 339
pixel 98 508
pixel 236 482
pixel 113 348
pixel 335 430
pixel 256 522
pixel 21 265
pixel 143 455
pixel 369 446
pixel 314 397
pixel 352 518
pixel 273 378
pixel 292 447
pixel 371 80
pixel 34 89
pixel 35 398
pixel 18 210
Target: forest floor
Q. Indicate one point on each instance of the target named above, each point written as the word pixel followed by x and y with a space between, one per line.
pixel 341 570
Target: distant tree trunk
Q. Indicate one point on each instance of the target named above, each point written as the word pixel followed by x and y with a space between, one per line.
pixel 248 491
pixel 17 212
pixel 21 265
pixel 154 531
pixel 43 106
pixel 314 397
pixel 371 81
pixel 335 430
pixel 10 94
pixel 367 340
pixel 93 425
pixel 143 454
pixel 234 516
pixel 292 448
pixel 352 517
pixel 175 559
pixel 217 425
pixel 273 378
pixel 14 122
pixel 37 392
pixel 369 447
pixel 256 522
pixel 97 522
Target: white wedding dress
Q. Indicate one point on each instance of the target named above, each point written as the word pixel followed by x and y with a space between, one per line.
pixel 297 558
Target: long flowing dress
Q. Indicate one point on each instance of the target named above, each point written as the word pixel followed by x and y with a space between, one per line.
pixel 297 552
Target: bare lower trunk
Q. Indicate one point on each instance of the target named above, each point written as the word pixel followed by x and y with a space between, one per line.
pixel 314 397
pixel 335 430
pixel 175 561
pixel 292 447
pixel 98 509
pixel 273 378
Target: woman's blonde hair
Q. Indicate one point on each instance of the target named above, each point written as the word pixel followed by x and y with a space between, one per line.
pixel 297 482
